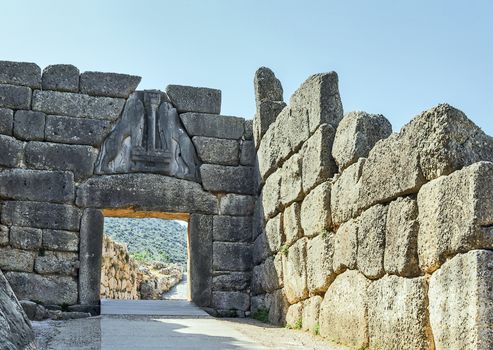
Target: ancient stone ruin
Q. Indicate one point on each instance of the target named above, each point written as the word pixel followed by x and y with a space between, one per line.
pixel 321 220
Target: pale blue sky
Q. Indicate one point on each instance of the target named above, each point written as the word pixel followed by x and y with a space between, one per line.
pixel 393 57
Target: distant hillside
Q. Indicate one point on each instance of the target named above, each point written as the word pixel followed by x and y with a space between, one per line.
pixel 150 239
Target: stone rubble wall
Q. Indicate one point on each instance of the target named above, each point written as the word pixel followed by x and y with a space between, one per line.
pixel 53 124
pixel 372 238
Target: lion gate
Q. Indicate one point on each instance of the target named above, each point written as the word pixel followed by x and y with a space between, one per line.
pixel 80 146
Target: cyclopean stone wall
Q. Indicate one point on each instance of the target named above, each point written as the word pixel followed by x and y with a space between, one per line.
pixel 74 145
pixel 367 237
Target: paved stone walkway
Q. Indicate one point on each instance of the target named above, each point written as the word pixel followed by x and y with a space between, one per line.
pixel 180 291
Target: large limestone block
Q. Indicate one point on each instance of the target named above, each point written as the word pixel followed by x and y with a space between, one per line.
pixel 16 260
pixel 221 178
pixel 217 151
pixel 25 237
pixel 461 302
pixel 201 258
pixel 398 315
pixel 268 276
pixel 4 235
pixel 62 263
pixel 237 281
pixel 267 86
pixel 311 311
pixel 319 253
pixel 344 310
pixel 29 125
pixel 15 97
pixel 52 156
pixel 211 125
pixel 274 233
pixel 294 315
pixel 232 228
pixel 267 112
pixel 371 241
pixel 401 243
pixel 346 246
pixel 54 290
pixel 61 77
pixel 40 215
pixel 271 195
pixel 146 192
pixel 344 200
pixel 12 151
pixel 20 73
pixel 318 164
pixel 108 84
pixel 77 105
pixel 194 99
pixel 356 135
pixel 15 329
pixel 248 153
pixel 236 204
pixel 295 272
pixel 291 182
pixel 260 249
pixel 231 300
pixel 455 215
pixel 229 256
pixel 278 307
pixel 435 143
pixel 34 185
pixel 6 121
pixel 60 240
pixel 79 131
pixel 316 212
pixel 319 96
pixel 292 223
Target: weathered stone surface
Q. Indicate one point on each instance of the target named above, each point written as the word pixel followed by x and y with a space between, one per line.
pixel 292 223
pixel 25 237
pixel 231 300
pixel 6 121
pixel 343 312
pixel 260 249
pixel 77 105
pixel 248 154
pixel 61 77
pixel 278 307
pixel 315 211
pixel 371 241
pixel 229 256
pixel 319 97
pixel 4 235
pixel 108 84
pixel 34 312
pixel 20 73
pixel 319 253
pixel 346 246
pixel 195 99
pixel 62 263
pixel 291 182
pixel 271 195
pixel 81 131
pixel 40 215
pixel 397 314
pixel 232 228
pixel 283 138
pixel 318 164
pixel 294 316
pixel 56 290
pixel 238 281
pixel 201 258
pixel 274 233
pixel 401 242
pixel 356 135
pixel 15 328
pixel 211 125
pixel 344 200
pixel 60 240
pixel 236 204
pixel 91 246
pixel 16 97
pixel 295 272
pixel 29 125
pixel 220 178
pixel 435 143
pixel 248 133
pixel 267 86
pixel 455 215
pixel 311 311
pixel 146 192
pixel 460 302
pixel 52 156
pixel 16 259
pixel 37 185
pixel 12 151
pixel 268 276
pixel 217 151
pixel 267 112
